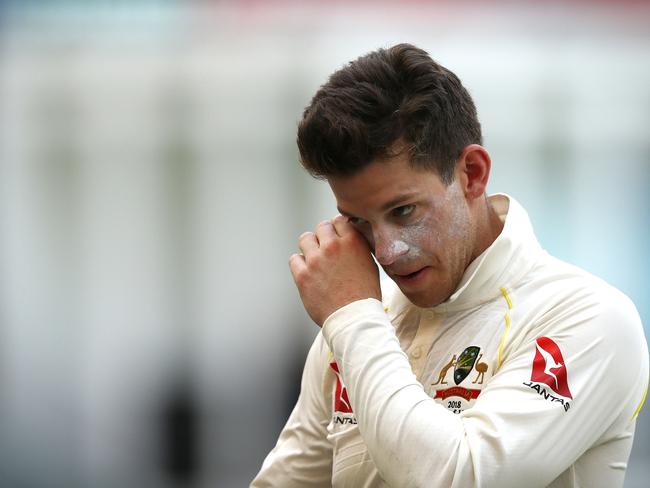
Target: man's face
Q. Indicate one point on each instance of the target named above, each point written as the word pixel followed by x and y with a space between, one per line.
pixel 419 229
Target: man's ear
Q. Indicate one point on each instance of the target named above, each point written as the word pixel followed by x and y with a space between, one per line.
pixel 473 171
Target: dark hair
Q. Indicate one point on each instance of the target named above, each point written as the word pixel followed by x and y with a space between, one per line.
pixel 387 101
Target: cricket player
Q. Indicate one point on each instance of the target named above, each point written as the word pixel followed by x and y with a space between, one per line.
pixel 483 361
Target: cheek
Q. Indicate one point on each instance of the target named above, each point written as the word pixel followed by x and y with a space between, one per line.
pixel 449 222
pixel 431 230
pixel 418 239
pixel 457 215
pixel 433 235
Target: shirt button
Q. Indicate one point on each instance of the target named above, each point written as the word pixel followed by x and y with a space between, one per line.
pixel 429 314
pixel 417 352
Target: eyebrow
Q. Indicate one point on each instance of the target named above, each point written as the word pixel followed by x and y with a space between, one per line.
pixel 395 202
pixel 398 200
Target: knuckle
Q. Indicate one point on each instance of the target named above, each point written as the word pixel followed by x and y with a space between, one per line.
pixel 331 248
pixel 314 262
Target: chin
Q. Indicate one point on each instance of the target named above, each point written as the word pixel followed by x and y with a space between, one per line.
pixel 429 296
pixel 423 300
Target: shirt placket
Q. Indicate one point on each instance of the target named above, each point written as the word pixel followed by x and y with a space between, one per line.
pixel 418 350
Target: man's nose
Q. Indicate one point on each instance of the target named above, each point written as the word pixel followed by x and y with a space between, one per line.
pixel 388 249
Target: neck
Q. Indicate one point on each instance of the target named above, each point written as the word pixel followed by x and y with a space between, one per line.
pixel 488 228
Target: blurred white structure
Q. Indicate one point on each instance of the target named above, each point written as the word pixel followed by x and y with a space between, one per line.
pixel 150 197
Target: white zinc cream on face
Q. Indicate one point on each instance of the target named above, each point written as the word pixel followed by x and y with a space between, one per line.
pixel 448 217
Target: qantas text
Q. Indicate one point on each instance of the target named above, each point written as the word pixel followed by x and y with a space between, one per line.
pixel 548 396
pixel 344 419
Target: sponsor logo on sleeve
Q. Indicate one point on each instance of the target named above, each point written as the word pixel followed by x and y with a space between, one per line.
pixel 342 407
pixel 549 373
pixel 341 400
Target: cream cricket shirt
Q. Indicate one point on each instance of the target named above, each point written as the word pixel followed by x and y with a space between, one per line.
pixel 530 374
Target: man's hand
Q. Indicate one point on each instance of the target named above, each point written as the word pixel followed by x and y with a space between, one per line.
pixel 334 269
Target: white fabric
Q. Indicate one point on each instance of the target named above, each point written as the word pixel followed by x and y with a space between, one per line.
pixel 404 432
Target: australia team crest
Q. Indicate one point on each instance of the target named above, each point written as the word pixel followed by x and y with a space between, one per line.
pixel 457 398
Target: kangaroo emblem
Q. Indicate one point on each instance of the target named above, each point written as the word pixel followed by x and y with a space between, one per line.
pixel 443 372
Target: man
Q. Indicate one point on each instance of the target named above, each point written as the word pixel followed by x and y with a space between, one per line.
pixel 484 361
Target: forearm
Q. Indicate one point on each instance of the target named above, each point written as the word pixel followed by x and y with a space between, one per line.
pixel 401 426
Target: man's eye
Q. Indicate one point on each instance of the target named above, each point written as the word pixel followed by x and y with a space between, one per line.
pixel 356 221
pixel 403 211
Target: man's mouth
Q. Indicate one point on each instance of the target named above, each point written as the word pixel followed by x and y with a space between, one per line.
pixel 410 277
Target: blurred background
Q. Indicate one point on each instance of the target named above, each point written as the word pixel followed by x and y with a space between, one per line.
pixel 150 195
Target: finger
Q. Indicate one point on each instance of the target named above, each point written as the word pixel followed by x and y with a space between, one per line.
pixel 342 226
pixel 325 232
pixel 307 243
pixel 297 265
